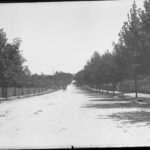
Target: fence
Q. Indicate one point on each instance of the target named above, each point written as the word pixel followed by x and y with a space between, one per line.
pixel 13 92
pixel 128 86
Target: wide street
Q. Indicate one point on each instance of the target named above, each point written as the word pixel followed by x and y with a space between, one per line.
pixel 75 116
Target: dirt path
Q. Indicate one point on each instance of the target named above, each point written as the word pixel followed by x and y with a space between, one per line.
pixel 75 117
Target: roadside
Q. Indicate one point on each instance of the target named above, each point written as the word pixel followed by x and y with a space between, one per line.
pixel 28 95
pixel 117 93
pixel 125 109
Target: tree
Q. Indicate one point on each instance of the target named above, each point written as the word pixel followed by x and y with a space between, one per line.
pixel 145 31
pixel 131 38
pixel 3 41
pixel 13 63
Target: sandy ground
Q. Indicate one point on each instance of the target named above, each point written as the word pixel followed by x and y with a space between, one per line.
pixel 75 116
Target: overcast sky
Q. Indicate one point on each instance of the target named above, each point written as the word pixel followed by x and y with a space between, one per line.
pixel 63 36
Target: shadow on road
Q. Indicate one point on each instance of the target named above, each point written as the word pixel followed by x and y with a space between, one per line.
pixel 104 101
pixel 139 116
pixel 108 105
pixel 116 103
pixel 133 117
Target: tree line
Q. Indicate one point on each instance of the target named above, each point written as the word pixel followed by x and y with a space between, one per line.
pixel 130 57
pixel 13 72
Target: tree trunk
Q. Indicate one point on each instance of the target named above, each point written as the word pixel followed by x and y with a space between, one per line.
pixel 99 88
pixel 113 88
pixel 27 91
pixel 22 92
pixel 136 87
pixel 6 93
pixel 122 88
pixel 18 92
pixel 95 86
pixel 3 92
pixel 14 91
pixel 107 88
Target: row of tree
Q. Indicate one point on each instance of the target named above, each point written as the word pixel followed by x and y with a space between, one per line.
pixel 130 57
pixel 13 72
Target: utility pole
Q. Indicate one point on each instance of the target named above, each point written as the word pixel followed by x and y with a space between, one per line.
pixel 53 71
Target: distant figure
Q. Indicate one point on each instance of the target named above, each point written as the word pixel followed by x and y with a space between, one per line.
pixel 72 147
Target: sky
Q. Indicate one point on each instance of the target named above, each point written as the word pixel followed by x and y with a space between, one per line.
pixel 62 36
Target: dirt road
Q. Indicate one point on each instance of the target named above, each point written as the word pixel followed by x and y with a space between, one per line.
pixel 75 116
